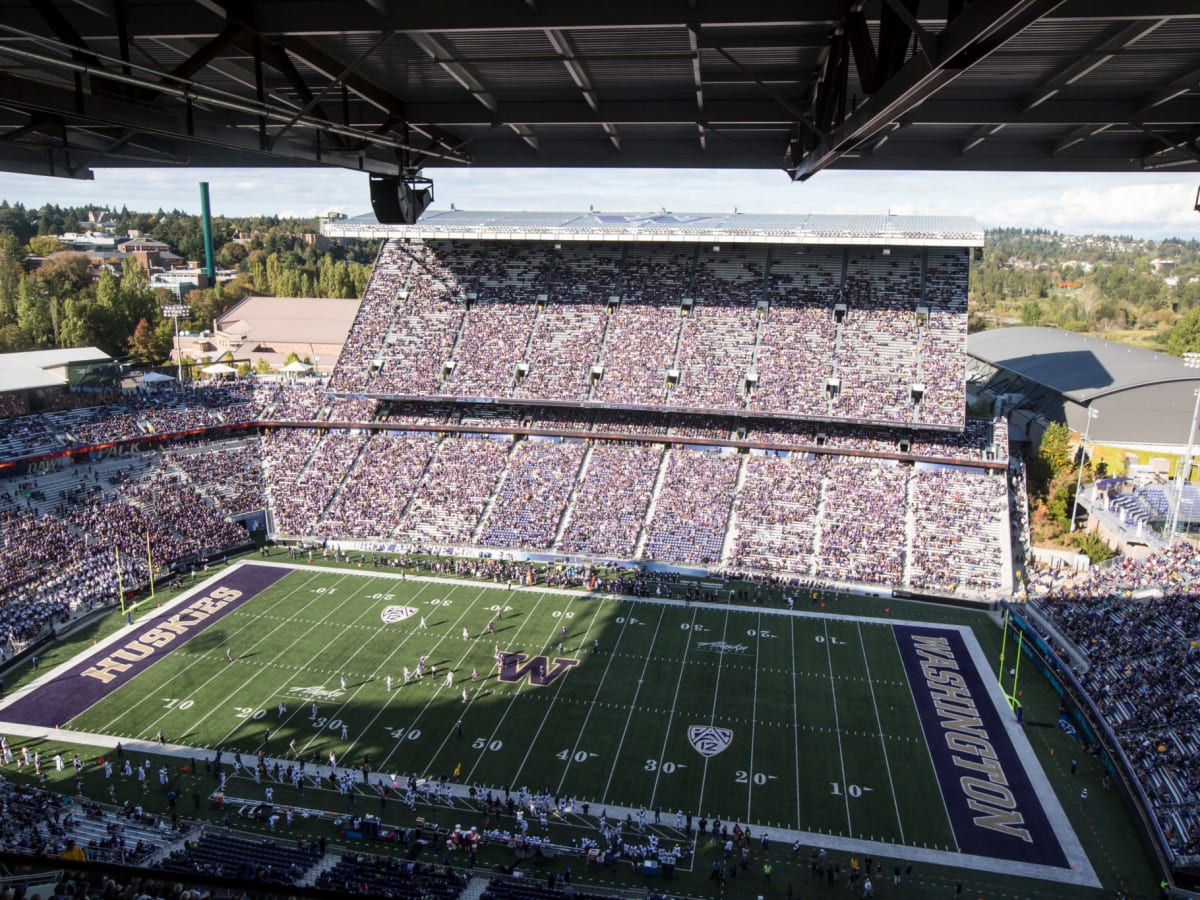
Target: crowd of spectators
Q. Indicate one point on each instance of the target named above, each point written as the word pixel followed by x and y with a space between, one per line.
pixel 863 523
pixel 1138 623
pixel 961 522
pixel 531 497
pixel 228 473
pixel 377 490
pixel 454 494
pixel 611 499
pixel 360 874
pixel 302 485
pixel 776 514
pixel 691 511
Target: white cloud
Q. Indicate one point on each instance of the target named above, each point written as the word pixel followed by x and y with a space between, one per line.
pixel 1150 205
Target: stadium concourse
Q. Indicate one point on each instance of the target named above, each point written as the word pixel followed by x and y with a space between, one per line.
pixel 780 400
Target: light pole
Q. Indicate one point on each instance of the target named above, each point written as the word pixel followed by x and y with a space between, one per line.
pixel 1092 414
pixel 177 311
pixel 1191 360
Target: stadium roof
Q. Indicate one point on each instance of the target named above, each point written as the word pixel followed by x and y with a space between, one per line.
pixel 1079 367
pixel 30 371
pixel 390 87
pixel 880 230
pixel 290 320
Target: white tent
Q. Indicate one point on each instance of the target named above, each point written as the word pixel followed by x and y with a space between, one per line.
pixel 219 369
pixel 155 378
pixel 296 367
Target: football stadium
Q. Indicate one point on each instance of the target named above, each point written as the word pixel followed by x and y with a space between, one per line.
pixel 630 554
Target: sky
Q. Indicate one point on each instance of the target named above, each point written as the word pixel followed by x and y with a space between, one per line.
pixel 1145 205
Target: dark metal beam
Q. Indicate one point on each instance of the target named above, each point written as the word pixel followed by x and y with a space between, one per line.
pixel 226 132
pixel 978 31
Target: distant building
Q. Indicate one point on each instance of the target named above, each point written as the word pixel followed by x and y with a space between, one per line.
pixel 29 379
pixel 271 328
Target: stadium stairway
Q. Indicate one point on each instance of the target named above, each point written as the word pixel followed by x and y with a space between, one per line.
pixel 487 509
pixel 569 506
pixel 475 888
pixel 727 547
pixel 910 530
pixel 640 547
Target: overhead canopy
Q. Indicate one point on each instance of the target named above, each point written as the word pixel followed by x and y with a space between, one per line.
pixel 155 378
pixel 296 367
pixel 801 85
pixel 219 369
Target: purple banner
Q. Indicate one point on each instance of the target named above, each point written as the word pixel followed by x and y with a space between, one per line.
pixel 993 808
pixel 145 643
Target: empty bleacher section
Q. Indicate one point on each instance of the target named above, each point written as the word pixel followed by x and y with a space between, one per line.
pixel 359 874
pixel 259 861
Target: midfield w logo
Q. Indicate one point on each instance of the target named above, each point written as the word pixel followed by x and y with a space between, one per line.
pixel 514 667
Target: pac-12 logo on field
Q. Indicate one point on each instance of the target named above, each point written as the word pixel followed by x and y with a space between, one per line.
pixel 709 740
pixel 394 614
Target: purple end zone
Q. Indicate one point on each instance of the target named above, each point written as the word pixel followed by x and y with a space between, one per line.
pixel 994 810
pixel 71 693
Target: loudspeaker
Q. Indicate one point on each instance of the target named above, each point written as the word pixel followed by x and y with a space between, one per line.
pixel 399 201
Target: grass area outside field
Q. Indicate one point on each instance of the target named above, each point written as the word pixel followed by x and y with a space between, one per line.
pixel 607 730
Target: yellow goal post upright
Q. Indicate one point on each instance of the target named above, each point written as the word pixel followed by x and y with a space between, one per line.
pixel 1011 694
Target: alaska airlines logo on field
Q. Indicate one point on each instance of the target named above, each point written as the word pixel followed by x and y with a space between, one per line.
pixel 722 647
pixel 316 692
pixel 709 740
pixel 514 667
pixel 393 614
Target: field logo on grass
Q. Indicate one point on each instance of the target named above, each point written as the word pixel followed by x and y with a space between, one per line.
pixel 721 647
pixel 709 740
pixel 514 667
pixel 316 692
pixel 393 614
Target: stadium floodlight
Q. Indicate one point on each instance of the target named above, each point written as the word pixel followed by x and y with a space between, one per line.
pixel 1192 361
pixel 1092 414
pixel 177 311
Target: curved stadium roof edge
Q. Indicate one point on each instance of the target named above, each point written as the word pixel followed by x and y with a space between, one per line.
pixel 1077 366
pixel 733 228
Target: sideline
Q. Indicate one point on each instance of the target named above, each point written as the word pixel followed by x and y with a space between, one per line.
pixel 1080 873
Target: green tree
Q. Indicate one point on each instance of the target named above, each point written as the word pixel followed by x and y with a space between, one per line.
pixel 1184 337
pixel 1031 313
pixel 45 244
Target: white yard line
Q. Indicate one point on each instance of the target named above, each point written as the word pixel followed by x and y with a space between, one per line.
pixel 837 729
pixel 753 715
pixel 516 778
pixel 633 703
pixel 713 714
pixel 205 657
pixel 612 655
pixel 399 646
pixel 281 654
pixel 882 739
pixel 428 703
pixel 795 717
pixel 516 694
pixel 671 716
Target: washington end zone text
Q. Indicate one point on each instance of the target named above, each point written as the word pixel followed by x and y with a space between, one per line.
pixel 990 799
pixel 987 791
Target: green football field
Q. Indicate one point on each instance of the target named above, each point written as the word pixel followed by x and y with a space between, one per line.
pixel 831 744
